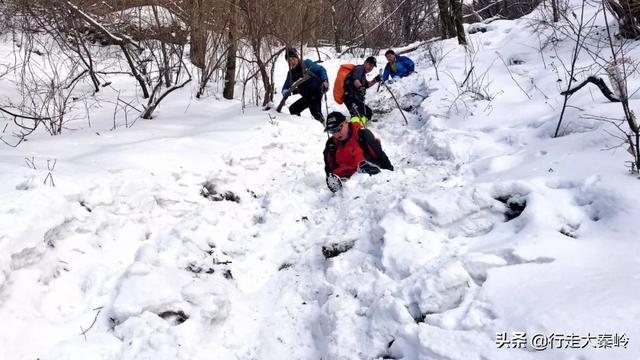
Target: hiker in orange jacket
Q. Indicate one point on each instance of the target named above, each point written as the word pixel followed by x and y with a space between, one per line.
pixel 355 88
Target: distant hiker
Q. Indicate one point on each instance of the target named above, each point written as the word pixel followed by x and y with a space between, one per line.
pixel 312 88
pixel 350 149
pixel 355 88
pixel 397 66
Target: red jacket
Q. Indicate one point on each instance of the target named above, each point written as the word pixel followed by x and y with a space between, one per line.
pixel 342 158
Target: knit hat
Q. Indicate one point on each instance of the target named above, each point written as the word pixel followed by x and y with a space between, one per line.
pixel 371 60
pixel 291 52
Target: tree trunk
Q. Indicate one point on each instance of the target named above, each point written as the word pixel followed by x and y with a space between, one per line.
pixel 336 30
pixel 447 27
pixel 198 34
pixel 556 12
pixel 406 22
pixel 266 82
pixel 230 69
pixel 336 35
pixel 629 22
pixel 136 74
pixel 622 10
pixel 456 7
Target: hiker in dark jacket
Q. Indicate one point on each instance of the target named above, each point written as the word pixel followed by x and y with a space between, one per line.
pixel 355 88
pixel 350 149
pixel 397 66
pixel 311 89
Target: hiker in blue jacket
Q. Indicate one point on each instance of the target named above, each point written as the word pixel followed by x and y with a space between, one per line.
pixel 311 89
pixel 397 66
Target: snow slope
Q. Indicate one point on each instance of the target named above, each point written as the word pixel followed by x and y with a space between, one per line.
pixel 126 259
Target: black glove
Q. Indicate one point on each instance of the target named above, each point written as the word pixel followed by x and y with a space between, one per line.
pixel 334 183
pixel 363 91
pixel 324 87
pixel 378 78
pixel 368 168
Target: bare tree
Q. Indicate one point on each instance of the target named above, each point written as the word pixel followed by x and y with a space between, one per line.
pixel 627 12
pixel 230 67
pixel 46 84
pixel 507 9
pixel 434 50
pixel 259 37
pixel 456 7
pixel 556 11
pixel 451 20
pixel 618 71
pixel 576 52
pixel 267 25
pixel 335 28
pixel 231 39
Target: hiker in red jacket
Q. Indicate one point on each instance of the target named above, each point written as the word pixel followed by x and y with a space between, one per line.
pixel 351 149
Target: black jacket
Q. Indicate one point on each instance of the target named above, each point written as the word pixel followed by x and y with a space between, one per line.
pixel 350 89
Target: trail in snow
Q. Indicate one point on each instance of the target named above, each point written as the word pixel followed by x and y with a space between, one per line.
pixel 248 270
pixel 432 268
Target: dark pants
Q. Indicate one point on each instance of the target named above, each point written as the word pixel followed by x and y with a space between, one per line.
pixel 357 107
pixel 314 103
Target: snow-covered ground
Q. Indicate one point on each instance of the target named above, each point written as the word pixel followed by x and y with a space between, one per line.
pixel 487 226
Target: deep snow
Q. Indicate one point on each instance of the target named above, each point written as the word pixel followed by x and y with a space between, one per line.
pixel 433 270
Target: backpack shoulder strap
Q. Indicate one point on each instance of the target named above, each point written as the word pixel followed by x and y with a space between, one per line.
pixel 364 146
pixel 307 70
pixel 361 141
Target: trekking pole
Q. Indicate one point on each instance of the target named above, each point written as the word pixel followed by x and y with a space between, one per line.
pixel 326 105
pixel 406 122
pixel 380 83
pixel 354 107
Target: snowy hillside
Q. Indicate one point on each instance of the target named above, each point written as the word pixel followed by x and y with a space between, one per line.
pixel 209 232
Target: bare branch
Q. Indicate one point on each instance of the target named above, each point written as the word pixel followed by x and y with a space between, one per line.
pixel 599 83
